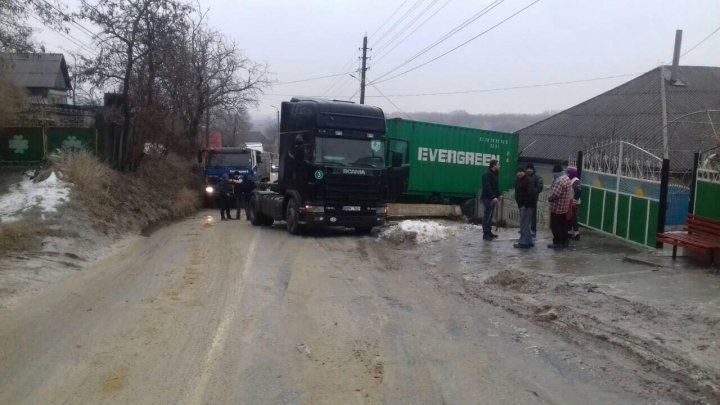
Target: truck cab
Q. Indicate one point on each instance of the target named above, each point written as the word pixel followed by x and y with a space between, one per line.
pixel 332 169
pixel 215 162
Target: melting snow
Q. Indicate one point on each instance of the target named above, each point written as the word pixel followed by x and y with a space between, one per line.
pixel 420 231
pixel 25 195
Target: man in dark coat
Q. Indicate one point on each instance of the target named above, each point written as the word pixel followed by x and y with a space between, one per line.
pixel 537 184
pixel 490 195
pixel 225 194
pixel 526 201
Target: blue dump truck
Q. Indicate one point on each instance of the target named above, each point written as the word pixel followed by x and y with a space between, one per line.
pixel 215 162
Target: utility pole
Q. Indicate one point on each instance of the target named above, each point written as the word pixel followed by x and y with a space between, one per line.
pixel 363 70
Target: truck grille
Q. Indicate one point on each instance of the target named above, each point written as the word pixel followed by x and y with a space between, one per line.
pixel 352 189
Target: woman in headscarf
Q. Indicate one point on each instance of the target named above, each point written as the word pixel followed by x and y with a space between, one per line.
pixel 573 230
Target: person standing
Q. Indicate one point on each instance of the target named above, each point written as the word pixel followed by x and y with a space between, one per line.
pixel 573 229
pixel 560 196
pixel 237 181
pixel 537 184
pixel 526 201
pixel 490 195
pixel 225 194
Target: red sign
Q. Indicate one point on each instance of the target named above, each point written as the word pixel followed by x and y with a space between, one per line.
pixel 216 140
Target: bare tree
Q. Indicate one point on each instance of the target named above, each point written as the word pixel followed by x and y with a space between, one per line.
pixel 219 75
pixel 131 32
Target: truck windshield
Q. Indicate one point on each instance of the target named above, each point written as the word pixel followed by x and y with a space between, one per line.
pixel 350 152
pixel 229 160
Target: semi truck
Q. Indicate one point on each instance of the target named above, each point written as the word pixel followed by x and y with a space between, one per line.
pixel 446 162
pixel 215 162
pixel 332 168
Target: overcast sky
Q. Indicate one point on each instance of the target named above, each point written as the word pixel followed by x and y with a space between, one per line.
pixel 551 41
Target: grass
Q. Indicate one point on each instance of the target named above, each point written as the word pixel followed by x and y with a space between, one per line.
pixel 23 235
pixel 159 191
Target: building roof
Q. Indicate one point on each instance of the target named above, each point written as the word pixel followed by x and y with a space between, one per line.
pixel 633 112
pixel 37 70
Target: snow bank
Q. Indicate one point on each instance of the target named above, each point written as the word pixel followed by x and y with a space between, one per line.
pixel 418 231
pixel 47 195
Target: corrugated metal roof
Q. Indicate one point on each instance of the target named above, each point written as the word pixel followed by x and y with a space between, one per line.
pixel 37 70
pixel 633 112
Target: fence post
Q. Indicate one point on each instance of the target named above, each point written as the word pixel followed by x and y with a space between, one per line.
pixel 693 184
pixel 662 208
pixel 617 191
pixel 579 164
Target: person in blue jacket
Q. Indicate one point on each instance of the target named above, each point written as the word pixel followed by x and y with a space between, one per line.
pixel 490 196
pixel 225 194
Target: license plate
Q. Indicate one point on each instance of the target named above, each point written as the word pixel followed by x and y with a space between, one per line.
pixel 351 208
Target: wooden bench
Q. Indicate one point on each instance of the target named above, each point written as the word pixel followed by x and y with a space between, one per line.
pixel 702 234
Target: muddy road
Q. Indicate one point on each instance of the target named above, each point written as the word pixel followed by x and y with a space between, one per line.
pixel 209 312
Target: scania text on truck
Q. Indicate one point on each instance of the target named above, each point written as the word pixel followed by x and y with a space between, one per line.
pixel 331 168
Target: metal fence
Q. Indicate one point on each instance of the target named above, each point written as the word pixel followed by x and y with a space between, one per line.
pixel 621 191
pixel 31 145
pixel 707 185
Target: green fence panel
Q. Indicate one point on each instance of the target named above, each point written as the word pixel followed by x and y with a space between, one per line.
pixel 622 218
pixel 597 198
pixel 638 214
pixel 707 199
pixel 22 145
pixel 608 218
pixel 652 223
pixel 585 198
pixel 71 139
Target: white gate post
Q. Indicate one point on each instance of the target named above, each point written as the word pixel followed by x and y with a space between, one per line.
pixel 617 188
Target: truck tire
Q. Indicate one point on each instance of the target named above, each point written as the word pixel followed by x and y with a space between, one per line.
pixel 291 218
pixel 255 217
pixel 363 230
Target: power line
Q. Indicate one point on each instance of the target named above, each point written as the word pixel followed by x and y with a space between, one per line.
pixel 390 101
pixel 407 26
pixel 701 42
pixel 68 37
pixel 388 19
pixel 461 45
pixel 488 90
pixel 415 5
pixel 387 52
pixel 87 32
pixel 311 79
pixel 445 37
pixel 530 86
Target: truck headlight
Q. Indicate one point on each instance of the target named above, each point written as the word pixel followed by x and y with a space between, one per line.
pixel 315 208
pixel 209 189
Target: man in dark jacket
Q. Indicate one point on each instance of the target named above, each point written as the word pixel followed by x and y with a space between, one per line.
pixel 243 185
pixel 537 184
pixel 225 194
pixel 489 196
pixel 527 202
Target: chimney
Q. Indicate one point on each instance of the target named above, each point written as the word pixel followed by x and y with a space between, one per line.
pixel 676 57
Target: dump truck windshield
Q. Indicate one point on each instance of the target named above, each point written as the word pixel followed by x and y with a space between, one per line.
pixel 350 152
pixel 229 160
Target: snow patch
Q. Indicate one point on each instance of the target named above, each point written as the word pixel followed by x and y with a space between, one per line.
pixel 47 195
pixel 420 232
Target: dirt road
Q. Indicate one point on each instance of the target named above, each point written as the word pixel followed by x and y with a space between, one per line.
pixel 207 312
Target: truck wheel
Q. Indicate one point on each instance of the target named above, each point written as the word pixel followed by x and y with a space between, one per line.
pixel 253 215
pixel 363 230
pixel 292 218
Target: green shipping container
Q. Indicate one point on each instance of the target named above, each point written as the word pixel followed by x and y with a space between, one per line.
pixel 447 162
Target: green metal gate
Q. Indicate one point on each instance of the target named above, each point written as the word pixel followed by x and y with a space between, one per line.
pixel 707 185
pixel 621 191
